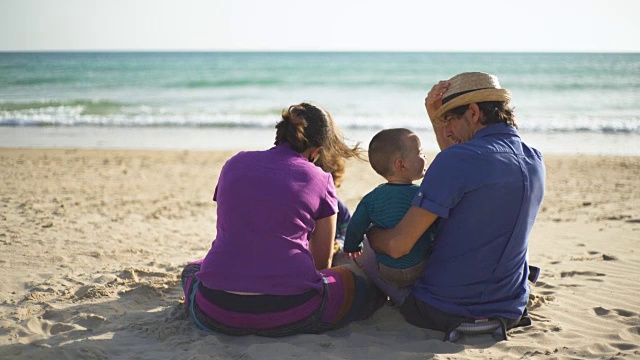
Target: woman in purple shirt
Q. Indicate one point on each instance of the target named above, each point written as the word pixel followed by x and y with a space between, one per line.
pixel 269 268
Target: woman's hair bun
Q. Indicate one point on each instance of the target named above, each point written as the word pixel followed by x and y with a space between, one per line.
pixel 296 115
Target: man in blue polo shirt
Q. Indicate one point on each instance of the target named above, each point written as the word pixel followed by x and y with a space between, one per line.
pixel 486 185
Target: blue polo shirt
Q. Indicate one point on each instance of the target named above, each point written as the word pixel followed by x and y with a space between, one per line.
pixel 488 192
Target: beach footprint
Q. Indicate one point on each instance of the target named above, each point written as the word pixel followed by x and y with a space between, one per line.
pixel 634 331
pixel 545 288
pixel 538 330
pixel 46 329
pixel 163 323
pixel 600 311
pixel 76 316
pixel 89 321
pixel 591 274
pixel 544 285
pixel 626 339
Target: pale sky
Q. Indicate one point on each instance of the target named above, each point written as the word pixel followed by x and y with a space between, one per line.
pixel 325 25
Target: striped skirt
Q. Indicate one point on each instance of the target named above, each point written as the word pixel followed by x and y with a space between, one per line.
pixel 348 296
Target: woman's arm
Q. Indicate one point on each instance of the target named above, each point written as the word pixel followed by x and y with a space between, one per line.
pixel 398 241
pixel 321 242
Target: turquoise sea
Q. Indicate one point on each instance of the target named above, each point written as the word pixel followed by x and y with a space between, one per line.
pixel 565 102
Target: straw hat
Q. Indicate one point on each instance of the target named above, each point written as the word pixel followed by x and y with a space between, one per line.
pixel 471 87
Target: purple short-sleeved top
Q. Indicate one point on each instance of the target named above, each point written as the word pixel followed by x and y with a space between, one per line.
pixel 268 202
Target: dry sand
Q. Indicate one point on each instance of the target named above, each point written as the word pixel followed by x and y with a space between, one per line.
pixel 92 244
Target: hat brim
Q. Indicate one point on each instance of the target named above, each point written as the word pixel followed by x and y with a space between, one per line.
pixel 473 97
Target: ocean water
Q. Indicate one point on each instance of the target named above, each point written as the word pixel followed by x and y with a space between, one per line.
pixel 569 103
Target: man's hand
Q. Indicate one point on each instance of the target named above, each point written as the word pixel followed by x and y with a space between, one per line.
pixel 433 101
pixel 398 241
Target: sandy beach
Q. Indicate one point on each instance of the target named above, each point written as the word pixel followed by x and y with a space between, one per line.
pixel 92 243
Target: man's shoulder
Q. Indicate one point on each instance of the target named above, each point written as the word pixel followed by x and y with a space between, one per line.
pixel 464 158
pixel 456 153
pixel 528 150
pixel 489 145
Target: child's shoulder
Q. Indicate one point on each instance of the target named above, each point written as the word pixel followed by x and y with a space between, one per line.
pixel 387 188
pixel 374 193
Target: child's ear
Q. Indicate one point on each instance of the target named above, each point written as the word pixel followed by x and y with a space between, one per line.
pixel 398 165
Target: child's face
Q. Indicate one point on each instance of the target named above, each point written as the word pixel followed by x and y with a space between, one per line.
pixel 415 160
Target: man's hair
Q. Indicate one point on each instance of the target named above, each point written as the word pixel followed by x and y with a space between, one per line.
pixel 494 112
pixel 384 146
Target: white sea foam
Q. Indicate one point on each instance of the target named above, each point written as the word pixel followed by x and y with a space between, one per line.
pixel 552 93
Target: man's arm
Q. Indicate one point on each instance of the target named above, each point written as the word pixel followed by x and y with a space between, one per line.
pixel 432 103
pixel 398 241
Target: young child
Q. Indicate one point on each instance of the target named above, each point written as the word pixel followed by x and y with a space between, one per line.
pixel 344 216
pixel 395 154
pixel 337 171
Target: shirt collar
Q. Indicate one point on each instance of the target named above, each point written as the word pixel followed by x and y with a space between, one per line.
pixel 496 129
pixel 287 148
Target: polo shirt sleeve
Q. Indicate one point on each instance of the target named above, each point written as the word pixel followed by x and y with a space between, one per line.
pixel 358 226
pixel 443 184
pixel 222 175
pixel 329 202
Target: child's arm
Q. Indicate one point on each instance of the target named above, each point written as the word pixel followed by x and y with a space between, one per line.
pixel 360 221
pixel 344 216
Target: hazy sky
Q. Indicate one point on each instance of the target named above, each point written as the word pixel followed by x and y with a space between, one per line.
pixel 341 25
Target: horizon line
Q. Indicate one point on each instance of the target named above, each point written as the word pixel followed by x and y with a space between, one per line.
pixel 317 51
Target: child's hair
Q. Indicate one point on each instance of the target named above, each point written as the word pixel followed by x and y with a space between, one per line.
pixel 337 170
pixel 384 146
pixel 304 126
